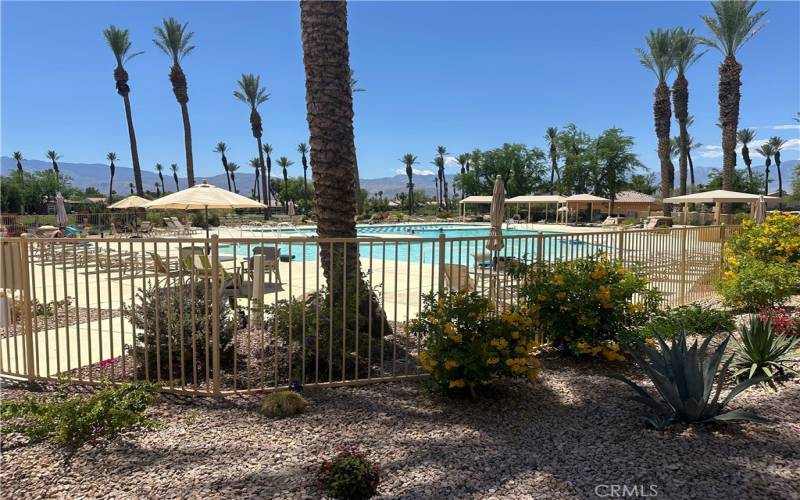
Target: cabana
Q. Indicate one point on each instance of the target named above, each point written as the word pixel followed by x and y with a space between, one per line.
pixel 545 199
pixel 627 202
pixel 717 197
pixel 579 199
pixel 473 200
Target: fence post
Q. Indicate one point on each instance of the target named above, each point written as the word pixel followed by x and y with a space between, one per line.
pixel 441 262
pixel 721 247
pixel 539 247
pixel 27 324
pixel 215 312
pixel 621 246
pixel 682 290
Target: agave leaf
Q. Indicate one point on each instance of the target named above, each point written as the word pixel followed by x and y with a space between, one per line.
pixel 644 396
pixel 719 383
pixel 739 415
pixel 659 422
pixel 752 370
pixel 740 387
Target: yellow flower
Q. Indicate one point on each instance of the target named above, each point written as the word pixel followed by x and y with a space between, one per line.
pixel 493 360
pixel 558 280
pixel 614 347
pixel 499 343
pixel 515 335
pixel 583 347
pixel 650 341
pixel 458 383
pixel 450 364
pixel 532 375
pixel 561 295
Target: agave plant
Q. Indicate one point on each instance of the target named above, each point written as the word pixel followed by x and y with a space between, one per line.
pixel 684 378
pixel 761 350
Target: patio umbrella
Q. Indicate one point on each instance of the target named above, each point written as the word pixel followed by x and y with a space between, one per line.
pixel 131 202
pixel 61 211
pixel 760 212
pixel 495 241
pixel 202 197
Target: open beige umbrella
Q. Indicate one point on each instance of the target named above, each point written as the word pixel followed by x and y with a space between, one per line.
pixel 131 203
pixel 202 197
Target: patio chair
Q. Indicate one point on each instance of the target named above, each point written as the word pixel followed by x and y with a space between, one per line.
pixel 610 221
pixel 180 227
pixel 163 270
pixel 272 257
pixel 456 277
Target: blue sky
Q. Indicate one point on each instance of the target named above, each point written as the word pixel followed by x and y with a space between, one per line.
pixel 464 75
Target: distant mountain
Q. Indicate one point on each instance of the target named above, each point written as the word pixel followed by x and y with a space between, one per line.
pixel 84 175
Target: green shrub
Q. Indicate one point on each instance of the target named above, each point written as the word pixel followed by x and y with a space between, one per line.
pixel 762 351
pixel 693 319
pixel 684 378
pixel 349 475
pixel 199 218
pixel 167 321
pixel 588 306
pixel 71 421
pixel 754 284
pixel 466 344
pixel 283 404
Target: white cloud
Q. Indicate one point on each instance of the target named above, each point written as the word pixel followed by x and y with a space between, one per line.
pixel 711 151
pixel 417 171
pixel 452 163
pixel 715 151
pixel 791 126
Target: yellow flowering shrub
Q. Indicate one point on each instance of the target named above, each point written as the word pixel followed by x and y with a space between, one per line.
pixel 586 306
pixel 762 263
pixel 467 344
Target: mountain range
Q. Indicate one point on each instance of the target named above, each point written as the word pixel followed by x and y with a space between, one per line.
pixel 85 175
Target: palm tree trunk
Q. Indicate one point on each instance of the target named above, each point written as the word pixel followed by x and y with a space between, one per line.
pixel 767 163
pixel 137 170
pixel 305 185
pixel 410 196
pixel 680 100
pixel 233 179
pixel 730 72
pixel 662 114
pixel 553 167
pixel 691 168
pixel 262 168
pixel 187 143
pixel 110 188
pixel 177 187
pixel 780 179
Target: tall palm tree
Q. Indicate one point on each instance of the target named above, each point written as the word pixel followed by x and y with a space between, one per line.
pixel 409 161
pixel 354 88
pixel 302 148
pixel 777 144
pixel 174 168
pixel 253 94
pixel 285 163
pixel 54 157
pixel 684 50
pixel 551 136
pixel 120 44
pixel 222 148
pixel 173 38
pixel 463 160
pixel 659 59
pixel 436 188
pixel 732 26
pixel 158 190
pixel 689 147
pixel 268 184
pixel 233 167
pixel 441 151
pixel 130 185
pixel 18 158
pixel 256 164
pixel 160 171
pixel 111 157
pixel 766 150
pixel 746 136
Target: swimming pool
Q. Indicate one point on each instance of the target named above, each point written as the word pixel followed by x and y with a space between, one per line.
pixel 420 244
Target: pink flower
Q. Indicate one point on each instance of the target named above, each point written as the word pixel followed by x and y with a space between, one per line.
pixel 107 362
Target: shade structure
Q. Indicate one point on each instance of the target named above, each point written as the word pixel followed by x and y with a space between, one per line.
pixel 132 201
pixel 61 211
pixel 760 211
pixel 544 199
pixel 586 198
pixel 718 196
pixel 495 241
pixel 475 200
pixel 202 197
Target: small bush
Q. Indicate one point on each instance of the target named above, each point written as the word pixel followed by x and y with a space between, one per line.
pixel 782 320
pixel 283 404
pixel 692 319
pixel 71 421
pixel 777 239
pixel 466 344
pixel 349 475
pixel 752 284
pixel 760 351
pixel 586 306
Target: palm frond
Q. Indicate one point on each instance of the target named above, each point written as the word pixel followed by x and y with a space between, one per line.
pixel 659 57
pixel 120 43
pixel 221 148
pixel 732 25
pixel 111 157
pixel 745 135
pixel 684 49
pixel 777 143
pixel 173 38
pixel 250 91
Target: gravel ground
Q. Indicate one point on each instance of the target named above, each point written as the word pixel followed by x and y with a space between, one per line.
pixel 561 438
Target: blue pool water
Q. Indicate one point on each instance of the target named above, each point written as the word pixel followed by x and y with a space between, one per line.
pixel 422 245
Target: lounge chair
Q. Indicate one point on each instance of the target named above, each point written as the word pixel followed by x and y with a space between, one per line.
pixel 183 228
pixel 456 277
pixel 272 256
pixel 610 221
pixel 164 270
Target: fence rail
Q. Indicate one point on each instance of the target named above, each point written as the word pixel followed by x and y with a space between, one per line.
pixel 222 315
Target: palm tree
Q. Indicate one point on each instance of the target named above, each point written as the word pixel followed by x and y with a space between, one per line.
pixel 253 94
pixel 659 60
pixel 173 39
pixel 158 191
pixel 409 161
pixel 256 164
pixel 463 160
pixel 732 26
pixel 302 148
pixel 130 185
pixel 54 157
pixel 233 167
pixel 160 170
pixel 684 50
pixel 111 157
pixel 689 147
pixel 174 168
pixel 552 138
pixel 268 184
pixel 777 144
pixel 354 88
pixel 18 158
pixel 441 151
pixel 285 163
pixel 746 136
pixel 222 148
pixel 766 150
pixel 120 44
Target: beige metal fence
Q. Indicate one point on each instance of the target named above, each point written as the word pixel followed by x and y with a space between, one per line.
pixel 216 316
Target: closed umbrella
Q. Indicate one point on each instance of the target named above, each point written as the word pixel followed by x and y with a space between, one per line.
pixel 61 211
pixel 202 197
pixel 495 241
pixel 290 209
pixel 760 213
